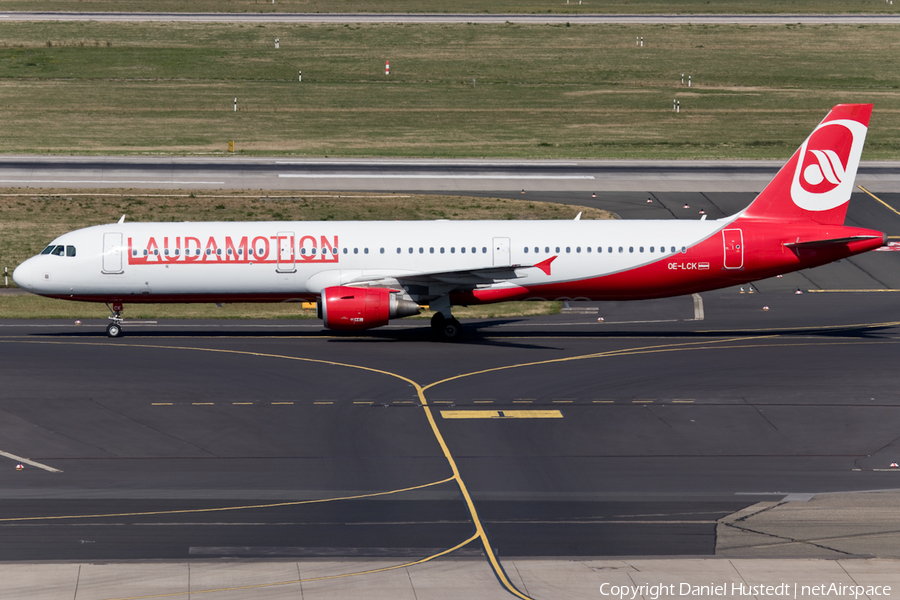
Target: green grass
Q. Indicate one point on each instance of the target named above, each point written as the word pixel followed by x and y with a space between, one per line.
pixel 456 6
pixel 531 91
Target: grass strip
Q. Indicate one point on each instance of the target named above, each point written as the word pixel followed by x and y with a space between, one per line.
pixel 457 6
pixel 529 91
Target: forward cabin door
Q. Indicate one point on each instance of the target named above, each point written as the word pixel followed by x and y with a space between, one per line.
pixel 501 252
pixel 286 258
pixel 112 253
pixel 733 239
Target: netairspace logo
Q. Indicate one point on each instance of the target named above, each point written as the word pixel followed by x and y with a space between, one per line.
pixel 782 590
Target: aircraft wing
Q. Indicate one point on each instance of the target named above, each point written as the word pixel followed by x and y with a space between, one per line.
pixel 480 276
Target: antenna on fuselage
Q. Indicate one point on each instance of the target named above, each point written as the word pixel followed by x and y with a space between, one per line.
pixel 578 217
pixel 122 220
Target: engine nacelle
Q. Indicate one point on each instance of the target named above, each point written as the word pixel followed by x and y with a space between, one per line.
pixel 348 308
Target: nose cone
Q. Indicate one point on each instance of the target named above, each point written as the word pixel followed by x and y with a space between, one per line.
pixel 24 275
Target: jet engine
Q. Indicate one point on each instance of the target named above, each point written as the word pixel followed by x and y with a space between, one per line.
pixel 349 308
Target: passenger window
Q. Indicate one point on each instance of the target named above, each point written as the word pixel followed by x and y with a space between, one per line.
pixel 651 248
pixel 146 253
pixel 70 250
pixel 398 250
pixel 683 249
pixel 442 250
pixel 463 250
pixel 610 250
pixel 250 251
pixel 621 249
pixel 356 251
pixel 431 250
pixel 230 252
pixel 557 249
pixel 133 252
pixel 631 248
pixel 410 250
pixel 345 251
pixel 673 248
pixel 526 249
pixel 547 249
pixel 536 249
pixel 452 249
pixel 381 251
pixel 589 249
pixel 218 252
pixel 578 249
pixel 641 248
pixel 474 250
pixel 366 250
pixel 484 250
pixel 600 249
pixel 568 249
pixel 302 251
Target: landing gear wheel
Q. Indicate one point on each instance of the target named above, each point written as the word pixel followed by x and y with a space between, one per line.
pixel 451 331
pixel 444 329
pixel 114 330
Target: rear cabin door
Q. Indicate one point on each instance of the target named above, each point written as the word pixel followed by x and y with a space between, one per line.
pixel 501 252
pixel 733 240
pixel 112 253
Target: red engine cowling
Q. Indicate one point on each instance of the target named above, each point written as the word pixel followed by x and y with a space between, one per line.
pixel 349 308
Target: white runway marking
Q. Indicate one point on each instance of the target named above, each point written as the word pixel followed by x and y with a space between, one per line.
pixel 423 176
pixel 100 181
pixel 430 163
pixel 28 461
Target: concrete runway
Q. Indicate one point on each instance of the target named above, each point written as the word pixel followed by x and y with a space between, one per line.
pixel 450 176
pixel 584 19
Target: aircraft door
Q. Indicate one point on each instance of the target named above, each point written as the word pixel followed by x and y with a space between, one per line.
pixel 286 258
pixel 501 252
pixel 733 239
pixel 112 253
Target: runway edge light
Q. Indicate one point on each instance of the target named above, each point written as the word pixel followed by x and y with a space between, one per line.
pixel 20 467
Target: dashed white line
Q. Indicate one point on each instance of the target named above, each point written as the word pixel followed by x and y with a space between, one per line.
pixel 423 176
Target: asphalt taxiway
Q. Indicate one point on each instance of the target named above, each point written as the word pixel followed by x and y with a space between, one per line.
pixel 572 437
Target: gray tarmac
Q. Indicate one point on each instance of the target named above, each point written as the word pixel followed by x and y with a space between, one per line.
pixel 585 19
pixel 380 175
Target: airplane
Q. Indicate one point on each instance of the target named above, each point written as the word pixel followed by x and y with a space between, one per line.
pixel 364 273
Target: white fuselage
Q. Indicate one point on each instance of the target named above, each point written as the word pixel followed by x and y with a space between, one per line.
pixel 297 260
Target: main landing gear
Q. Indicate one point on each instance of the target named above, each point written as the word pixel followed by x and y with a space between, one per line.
pixel 114 329
pixel 444 329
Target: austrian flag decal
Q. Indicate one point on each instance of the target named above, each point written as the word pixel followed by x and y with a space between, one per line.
pixel 823 178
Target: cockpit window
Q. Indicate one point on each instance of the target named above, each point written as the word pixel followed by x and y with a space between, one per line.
pixel 70 250
pixel 58 251
pixel 48 250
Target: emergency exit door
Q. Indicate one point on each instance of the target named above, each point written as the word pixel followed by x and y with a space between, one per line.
pixel 733 240
pixel 501 252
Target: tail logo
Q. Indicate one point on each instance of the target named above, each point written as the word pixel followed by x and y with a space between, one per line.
pixel 826 166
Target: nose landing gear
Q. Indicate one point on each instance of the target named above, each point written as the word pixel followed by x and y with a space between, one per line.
pixel 114 329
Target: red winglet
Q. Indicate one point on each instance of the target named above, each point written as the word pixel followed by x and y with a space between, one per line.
pixel 544 265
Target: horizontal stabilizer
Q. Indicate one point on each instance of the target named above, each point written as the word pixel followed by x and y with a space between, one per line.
pixel 829 242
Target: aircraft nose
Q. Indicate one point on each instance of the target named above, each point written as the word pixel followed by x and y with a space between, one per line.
pixel 24 274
